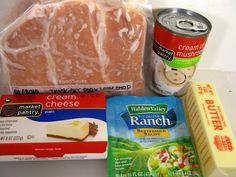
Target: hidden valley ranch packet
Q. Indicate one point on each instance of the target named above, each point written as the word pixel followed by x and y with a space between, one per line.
pixel 148 137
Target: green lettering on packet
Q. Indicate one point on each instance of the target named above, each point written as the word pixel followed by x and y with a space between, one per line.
pixel 148 137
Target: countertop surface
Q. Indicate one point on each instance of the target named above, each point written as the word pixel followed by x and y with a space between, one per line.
pixel 225 85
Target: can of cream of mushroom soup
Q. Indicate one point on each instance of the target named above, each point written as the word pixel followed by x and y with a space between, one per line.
pixel 179 39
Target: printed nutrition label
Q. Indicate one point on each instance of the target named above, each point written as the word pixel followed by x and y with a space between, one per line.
pixel 6 131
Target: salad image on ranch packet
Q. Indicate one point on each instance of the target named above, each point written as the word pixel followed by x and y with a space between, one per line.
pixel 148 136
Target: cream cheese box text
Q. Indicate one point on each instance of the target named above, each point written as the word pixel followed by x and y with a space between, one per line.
pixel 53 126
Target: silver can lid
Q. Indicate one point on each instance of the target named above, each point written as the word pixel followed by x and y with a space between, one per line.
pixel 184 22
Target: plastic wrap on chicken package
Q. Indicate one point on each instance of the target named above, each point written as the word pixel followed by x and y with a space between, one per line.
pixel 72 46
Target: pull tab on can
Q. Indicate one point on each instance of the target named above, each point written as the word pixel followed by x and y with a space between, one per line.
pixel 191 25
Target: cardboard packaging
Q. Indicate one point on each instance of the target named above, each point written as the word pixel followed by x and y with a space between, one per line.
pixel 53 126
pixel 211 131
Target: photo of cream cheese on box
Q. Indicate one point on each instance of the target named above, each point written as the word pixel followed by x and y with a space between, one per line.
pixel 55 126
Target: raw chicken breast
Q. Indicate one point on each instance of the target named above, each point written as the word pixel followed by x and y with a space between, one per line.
pixel 76 43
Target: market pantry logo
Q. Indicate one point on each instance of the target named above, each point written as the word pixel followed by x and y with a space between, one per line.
pixel 22 109
pixel 149 116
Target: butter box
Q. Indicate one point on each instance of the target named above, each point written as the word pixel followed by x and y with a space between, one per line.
pixel 212 134
pixel 53 126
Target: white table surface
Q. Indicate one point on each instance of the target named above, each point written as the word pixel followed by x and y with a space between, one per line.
pixel 226 87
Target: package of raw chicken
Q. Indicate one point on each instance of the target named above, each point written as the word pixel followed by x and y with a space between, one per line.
pixel 70 46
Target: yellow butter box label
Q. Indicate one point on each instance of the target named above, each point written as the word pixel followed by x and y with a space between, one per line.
pixel 212 134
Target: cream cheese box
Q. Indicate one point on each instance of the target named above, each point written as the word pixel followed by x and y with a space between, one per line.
pixel 53 126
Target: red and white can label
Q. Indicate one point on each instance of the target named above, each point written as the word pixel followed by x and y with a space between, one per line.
pixel 174 60
pixel 177 51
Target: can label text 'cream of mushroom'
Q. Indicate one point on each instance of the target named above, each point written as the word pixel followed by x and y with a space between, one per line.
pixel 180 36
